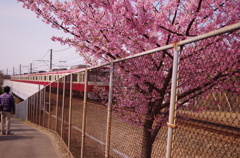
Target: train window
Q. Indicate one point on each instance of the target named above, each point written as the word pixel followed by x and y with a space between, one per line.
pixel 98 75
pixel 81 78
pixel 67 78
pixel 50 77
pixel 92 77
pixel 74 77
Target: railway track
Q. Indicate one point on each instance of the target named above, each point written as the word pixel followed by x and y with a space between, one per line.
pixel 209 126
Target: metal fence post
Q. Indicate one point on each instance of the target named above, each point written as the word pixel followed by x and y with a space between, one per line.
pixel 34 108
pixel 173 100
pixel 40 106
pixel 57 106
pixel 49 107
pixel 37 106
pixel 70 113
pixel 29 108
pixel 44 105
pixel 84 112
pixel 109 110
pixel 63 104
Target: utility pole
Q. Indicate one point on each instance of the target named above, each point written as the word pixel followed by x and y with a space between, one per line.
pixel 20 69
pixel 7 71
pixel 50 59
pixel 30 68
pixel 13 71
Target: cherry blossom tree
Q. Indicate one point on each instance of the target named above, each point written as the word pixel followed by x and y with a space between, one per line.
pixel 105 30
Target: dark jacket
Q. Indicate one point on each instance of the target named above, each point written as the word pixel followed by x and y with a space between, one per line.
pixel 7 101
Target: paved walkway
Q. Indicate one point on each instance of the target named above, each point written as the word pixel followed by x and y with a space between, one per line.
pixel 26 142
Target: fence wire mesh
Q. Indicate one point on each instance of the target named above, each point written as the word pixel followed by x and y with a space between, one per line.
pixel 207 120
pixel 76 115
pixel 136 97
pixel 52 107
pixel 59 105
pixel 47 92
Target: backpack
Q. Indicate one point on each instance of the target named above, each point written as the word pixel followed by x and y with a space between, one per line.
pixel 1 107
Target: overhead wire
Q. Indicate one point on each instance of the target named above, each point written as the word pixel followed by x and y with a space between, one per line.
pixel 45 55
pixel 62 49
pixel 68 59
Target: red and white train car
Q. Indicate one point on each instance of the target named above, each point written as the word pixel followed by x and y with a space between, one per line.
pixel 97 79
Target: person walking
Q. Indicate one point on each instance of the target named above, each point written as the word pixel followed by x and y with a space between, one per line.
pixel 8 108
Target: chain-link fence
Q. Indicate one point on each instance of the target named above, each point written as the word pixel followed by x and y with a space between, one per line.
pixel 127 108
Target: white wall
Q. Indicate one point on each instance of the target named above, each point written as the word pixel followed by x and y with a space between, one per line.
pixel 21 89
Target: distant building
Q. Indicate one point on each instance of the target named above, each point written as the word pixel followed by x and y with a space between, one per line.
pixel 79 66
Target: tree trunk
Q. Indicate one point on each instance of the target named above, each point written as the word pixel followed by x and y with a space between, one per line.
pixel 146 144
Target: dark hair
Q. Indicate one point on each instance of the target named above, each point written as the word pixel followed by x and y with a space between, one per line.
pixel 7 89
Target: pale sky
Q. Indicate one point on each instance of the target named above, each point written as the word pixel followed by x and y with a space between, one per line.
pixel 25 39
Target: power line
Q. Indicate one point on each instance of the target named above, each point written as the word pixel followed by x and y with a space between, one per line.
pixel 62 49
pixel 45 54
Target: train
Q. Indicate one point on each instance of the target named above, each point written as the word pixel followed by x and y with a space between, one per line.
pixel 97 79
